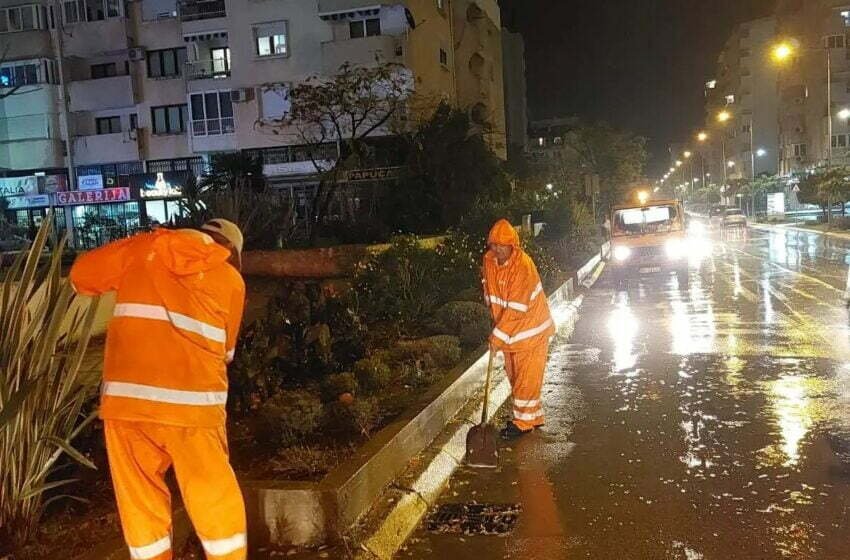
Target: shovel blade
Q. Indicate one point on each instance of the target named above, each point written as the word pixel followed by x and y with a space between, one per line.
pixel 481 449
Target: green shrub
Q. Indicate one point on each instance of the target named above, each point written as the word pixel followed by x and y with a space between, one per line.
pixel 442 351
pixel 336 384
pixel 360 417
pixel 372 373
pixel 289 415
pixel 467 320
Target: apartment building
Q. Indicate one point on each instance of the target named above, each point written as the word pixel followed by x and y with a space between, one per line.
pixel 516 93
pixel 818 32
pixel 742 107
pixel 117 104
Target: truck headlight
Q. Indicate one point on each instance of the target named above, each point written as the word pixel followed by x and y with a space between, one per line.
pixel 675 248
pixel 621 253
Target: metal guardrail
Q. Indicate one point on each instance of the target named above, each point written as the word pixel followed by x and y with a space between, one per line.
pixel 193 10
pixel 204 69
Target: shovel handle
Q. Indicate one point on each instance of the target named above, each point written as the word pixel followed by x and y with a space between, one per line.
pixel 491 353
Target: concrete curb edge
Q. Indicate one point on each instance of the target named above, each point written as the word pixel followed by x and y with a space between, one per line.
pixel 411 508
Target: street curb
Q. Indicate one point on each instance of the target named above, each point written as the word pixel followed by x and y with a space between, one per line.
pixel 771 227
pixel 409 509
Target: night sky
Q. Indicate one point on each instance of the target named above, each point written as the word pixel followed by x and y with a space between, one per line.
pixel 638 64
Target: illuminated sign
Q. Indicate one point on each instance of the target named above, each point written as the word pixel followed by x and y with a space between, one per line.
pixel 29 201
pixel 16 186
pixel 160 187
pixel 90 182
pixel 775 204
pixel 376 174
pixel 119 194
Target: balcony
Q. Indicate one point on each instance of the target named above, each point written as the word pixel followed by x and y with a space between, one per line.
pixel 327 7
pixel 362 51
pixel 106 148
pixel 195 10
pixel 105 93
pixel 29 127
pixel 32 154
pixel 207 69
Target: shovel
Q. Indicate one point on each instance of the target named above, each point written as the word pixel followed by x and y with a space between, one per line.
pixel 481 450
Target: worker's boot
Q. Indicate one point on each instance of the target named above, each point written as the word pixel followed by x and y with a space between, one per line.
pixel 511 431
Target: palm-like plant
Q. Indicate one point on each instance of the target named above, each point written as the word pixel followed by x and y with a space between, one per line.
pixel 44 333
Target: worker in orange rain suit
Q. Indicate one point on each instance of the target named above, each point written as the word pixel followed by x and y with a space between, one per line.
pixel 523 324
pixel 178 309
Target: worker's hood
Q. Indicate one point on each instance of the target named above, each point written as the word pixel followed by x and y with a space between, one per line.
pixel 187 251
pixel 503 233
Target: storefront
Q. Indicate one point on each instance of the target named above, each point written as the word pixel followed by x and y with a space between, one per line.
pixel 28 199
pixel 101 215
pixel 161 194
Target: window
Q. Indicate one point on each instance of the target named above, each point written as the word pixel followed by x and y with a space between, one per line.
pixel 166 63
pixel 75 11
pixel 103 70
pixel 365 28
pixel 730 99
pixel 799 150
pixel 444 57
pixel 834 41
pixel 272 38
pixel 839 141
pixel 275 102
pixel 108 125
pixel 212 113
pixel 220 61
pixel 22 18
pixel 845 17
pixel 134 121
pixel 168 119
pixel 25 73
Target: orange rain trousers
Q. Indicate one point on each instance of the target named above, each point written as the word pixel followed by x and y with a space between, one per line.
pixel 525 372
pixel 140 454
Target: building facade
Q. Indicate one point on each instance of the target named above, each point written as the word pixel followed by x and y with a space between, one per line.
pixel 742 107
pixel 108 107
pixel 516 92
pixel 818 32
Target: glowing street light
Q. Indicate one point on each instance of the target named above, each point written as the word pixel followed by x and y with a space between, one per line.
pixel 687 154
pixel 782 51
pixel 730 164
pixel 702 136
pixel 844 114
pixel 761 152
pixel 643 196
pixel 678 163
pixel 723 116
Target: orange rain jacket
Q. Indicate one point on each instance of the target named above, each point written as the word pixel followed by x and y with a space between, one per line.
pixel 177 315
pixel 519 307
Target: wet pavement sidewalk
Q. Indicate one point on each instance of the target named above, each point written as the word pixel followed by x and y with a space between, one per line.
pixel 710 421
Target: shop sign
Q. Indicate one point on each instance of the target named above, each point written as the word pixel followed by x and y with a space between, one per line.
pixel 376 174
pixel 119 194
pixel 162 185
pixel 29 201
pixel 55 183
pixel 17 186
pixel 90 182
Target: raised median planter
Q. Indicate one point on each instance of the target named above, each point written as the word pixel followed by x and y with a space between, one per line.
pixel 309 514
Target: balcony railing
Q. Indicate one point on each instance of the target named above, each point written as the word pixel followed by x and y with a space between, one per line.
pixel 193 10
pixel 205 69
pixel 212 127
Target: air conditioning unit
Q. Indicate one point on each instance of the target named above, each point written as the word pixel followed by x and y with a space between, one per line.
pixel 242 95
pixel 136 53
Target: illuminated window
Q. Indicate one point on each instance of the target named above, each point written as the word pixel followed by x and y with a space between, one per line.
pixel 272 38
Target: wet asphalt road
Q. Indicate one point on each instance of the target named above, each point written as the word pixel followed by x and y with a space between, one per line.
pixel 707 422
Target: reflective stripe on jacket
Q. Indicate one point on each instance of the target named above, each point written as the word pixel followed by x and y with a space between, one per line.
pixel 177 315
pixel 518 305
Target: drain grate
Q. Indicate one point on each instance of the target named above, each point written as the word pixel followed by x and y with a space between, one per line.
pixel 474 519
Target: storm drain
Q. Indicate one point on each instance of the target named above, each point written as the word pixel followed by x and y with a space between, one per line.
pixel 474 519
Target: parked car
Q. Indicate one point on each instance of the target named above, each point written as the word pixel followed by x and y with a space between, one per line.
pixel 715 213
pixel 12 243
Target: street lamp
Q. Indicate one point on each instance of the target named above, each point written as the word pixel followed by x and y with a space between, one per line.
pixel 761 152
pixel 702 136
pixel 678 163
pixel 723 116
pixel 844 114
pixel 687 154
pixel 730 164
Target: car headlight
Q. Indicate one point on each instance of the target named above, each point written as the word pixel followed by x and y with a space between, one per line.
pixel 622 253
pixel 675 248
